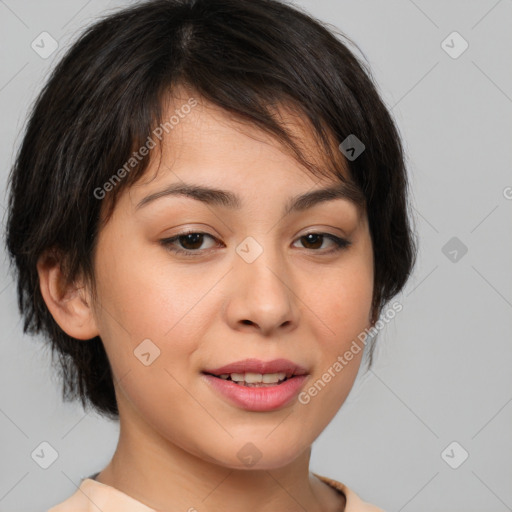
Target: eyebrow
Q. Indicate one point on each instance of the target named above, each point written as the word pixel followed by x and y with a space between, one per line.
pixel 228 199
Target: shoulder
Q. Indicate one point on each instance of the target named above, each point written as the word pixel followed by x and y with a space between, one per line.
pixel 77 502
pixel 353 502
pixel 93 496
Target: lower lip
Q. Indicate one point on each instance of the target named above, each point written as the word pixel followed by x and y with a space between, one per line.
pixel 258 399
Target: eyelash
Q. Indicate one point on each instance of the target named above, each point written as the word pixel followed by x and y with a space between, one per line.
pixel 340 243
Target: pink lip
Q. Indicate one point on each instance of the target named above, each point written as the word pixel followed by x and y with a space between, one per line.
pixel 259 366
pixel 258 398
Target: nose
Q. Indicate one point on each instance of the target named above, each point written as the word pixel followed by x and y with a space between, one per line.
pixel 261 296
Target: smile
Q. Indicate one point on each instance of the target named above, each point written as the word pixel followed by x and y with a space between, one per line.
pixel 254 385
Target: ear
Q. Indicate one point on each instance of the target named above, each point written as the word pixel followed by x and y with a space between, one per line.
pixel 69 304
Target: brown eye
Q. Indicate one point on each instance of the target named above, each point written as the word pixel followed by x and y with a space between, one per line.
pixel 314 241
pixel 189 243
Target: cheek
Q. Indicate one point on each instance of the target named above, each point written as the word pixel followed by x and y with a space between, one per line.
pixel 350 304
pixel 342 302
pixel 139 297
pixel 150 331
pixel 143 312
pixel 346 310
pixel 342 299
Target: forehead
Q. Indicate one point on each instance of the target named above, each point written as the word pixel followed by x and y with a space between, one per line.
pixel 206 134
pixel 208 154
pixel 215 157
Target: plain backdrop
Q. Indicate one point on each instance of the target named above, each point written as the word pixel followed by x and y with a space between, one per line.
pixel 429 427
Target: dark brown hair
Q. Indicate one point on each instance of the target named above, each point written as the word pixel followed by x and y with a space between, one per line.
pixel 105 97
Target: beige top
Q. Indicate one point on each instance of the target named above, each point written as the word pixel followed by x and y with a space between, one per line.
pixel 93 496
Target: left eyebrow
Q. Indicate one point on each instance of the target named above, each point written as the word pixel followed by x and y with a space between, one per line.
pixel 226 198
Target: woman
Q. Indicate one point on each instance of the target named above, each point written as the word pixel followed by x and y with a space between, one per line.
pixel 208 214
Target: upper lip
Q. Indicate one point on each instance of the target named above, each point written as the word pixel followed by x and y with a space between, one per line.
pixel 259 366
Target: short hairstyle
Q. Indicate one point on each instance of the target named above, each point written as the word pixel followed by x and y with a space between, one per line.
pixel 106 95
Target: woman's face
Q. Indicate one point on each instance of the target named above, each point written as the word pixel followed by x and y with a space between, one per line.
pixel 252 286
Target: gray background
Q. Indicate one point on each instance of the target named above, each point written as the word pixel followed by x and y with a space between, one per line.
pixel 442 372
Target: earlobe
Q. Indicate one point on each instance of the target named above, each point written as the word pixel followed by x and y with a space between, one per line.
pixel 68 303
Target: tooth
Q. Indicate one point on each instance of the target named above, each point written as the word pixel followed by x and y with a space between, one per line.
pixel 269 378
pixel 255 378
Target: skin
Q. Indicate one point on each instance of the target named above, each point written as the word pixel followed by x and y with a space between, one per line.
pixel 179 439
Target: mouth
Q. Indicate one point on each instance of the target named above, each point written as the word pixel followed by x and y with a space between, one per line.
pixel 254 380
pixel 255 385
pixel 257 373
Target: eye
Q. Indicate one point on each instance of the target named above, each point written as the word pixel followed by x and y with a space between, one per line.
pixel 317 239
pixel 191 242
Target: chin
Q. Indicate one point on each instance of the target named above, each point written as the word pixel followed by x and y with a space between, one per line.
pixel 258 454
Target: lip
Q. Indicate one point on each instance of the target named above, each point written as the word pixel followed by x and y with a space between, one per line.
pixel 258 399
pixel 253 365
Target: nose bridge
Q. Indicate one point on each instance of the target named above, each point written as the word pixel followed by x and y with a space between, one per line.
pixel 261 261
